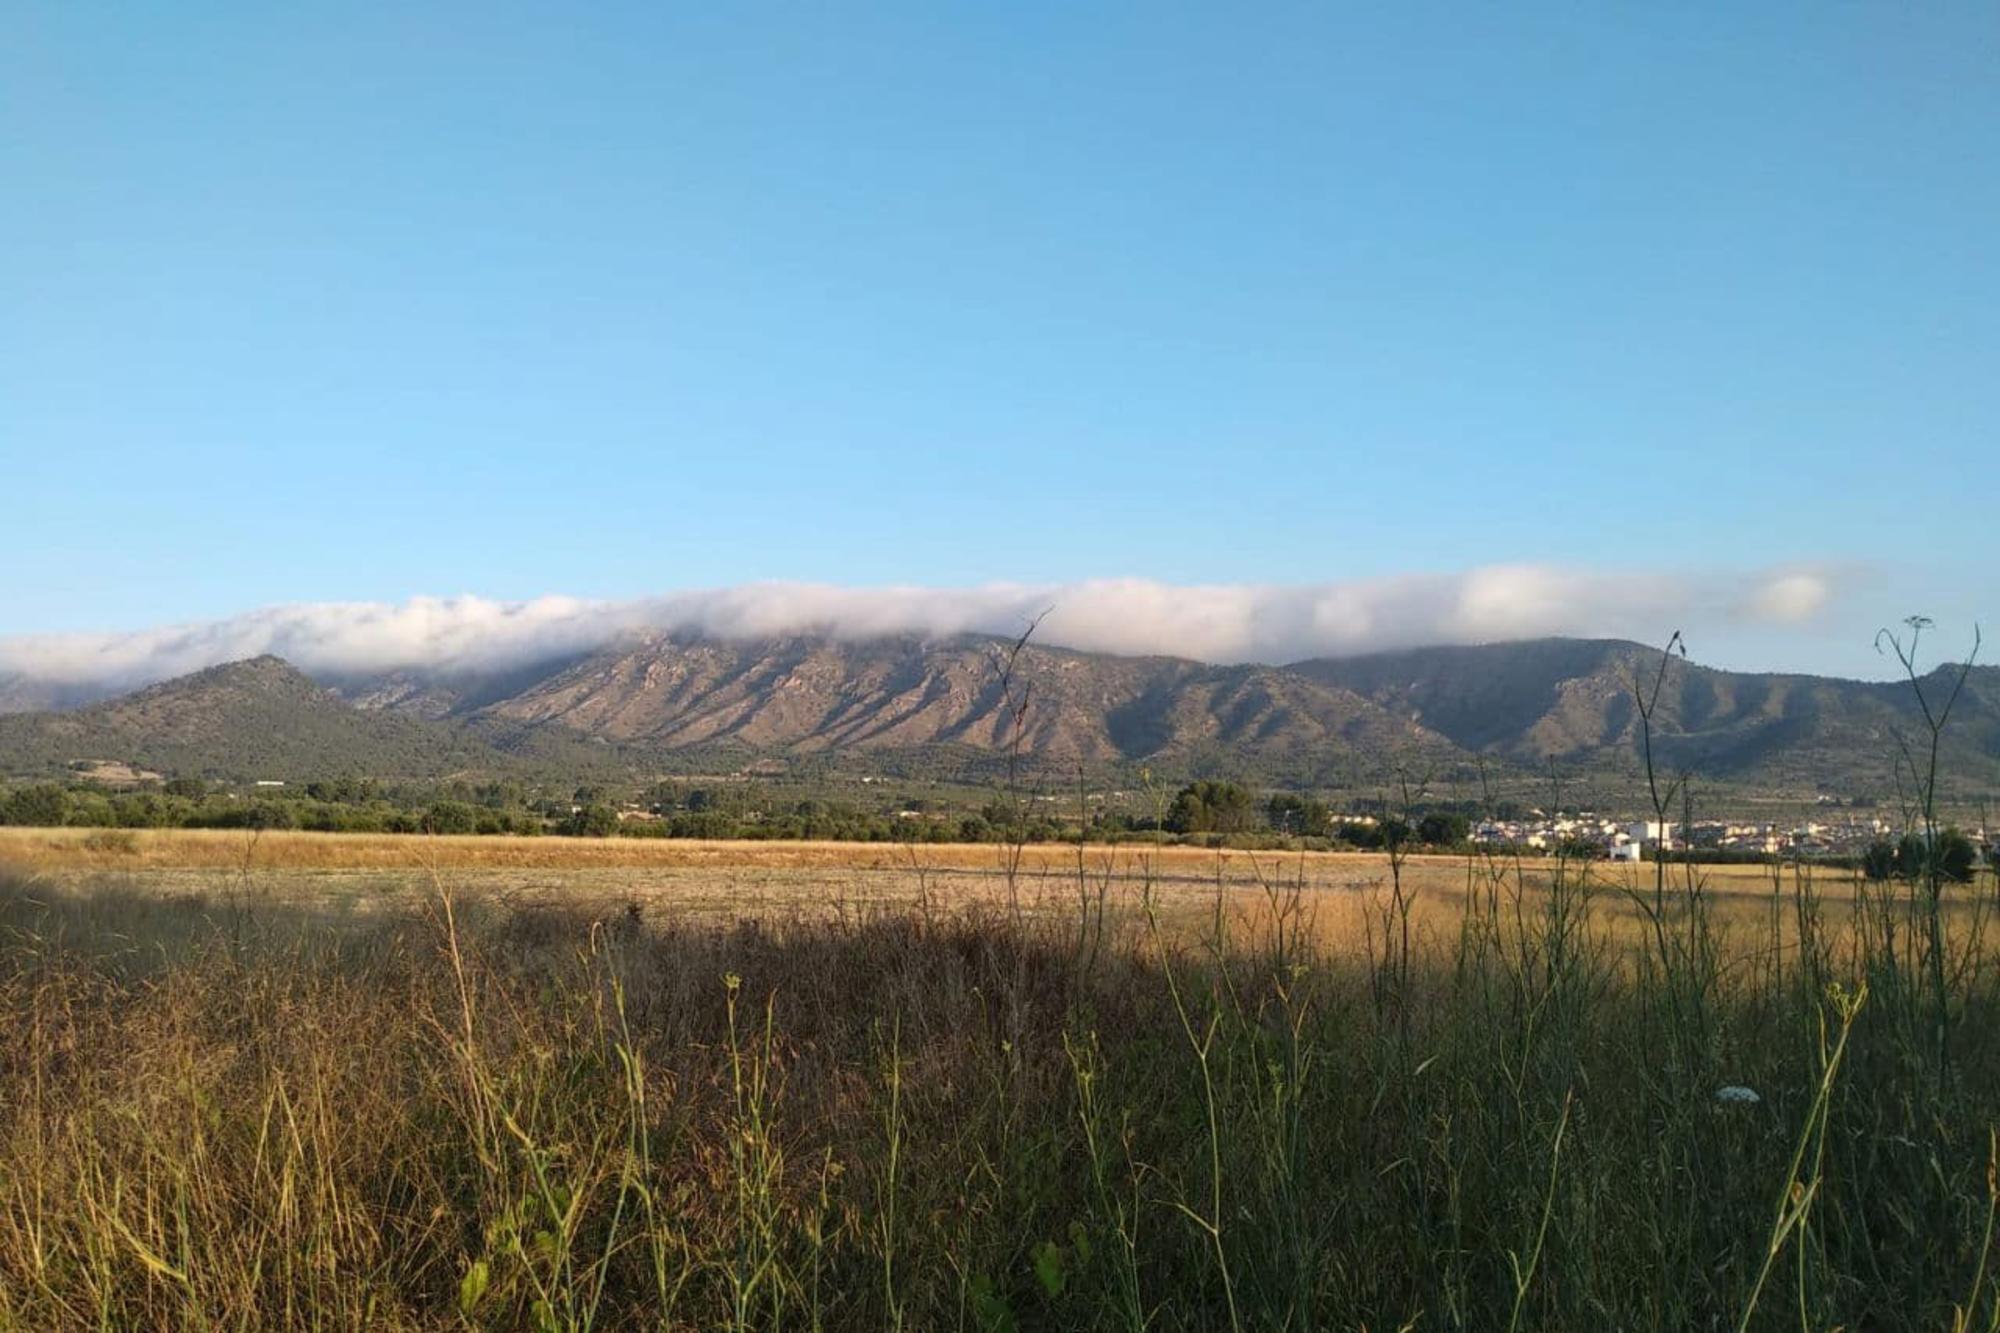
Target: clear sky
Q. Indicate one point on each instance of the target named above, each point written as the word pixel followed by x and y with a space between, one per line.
pixel 303 302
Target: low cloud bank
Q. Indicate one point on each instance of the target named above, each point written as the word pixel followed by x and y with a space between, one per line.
pixel 1213 622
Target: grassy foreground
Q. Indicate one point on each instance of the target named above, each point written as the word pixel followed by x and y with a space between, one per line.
pixel 220 1111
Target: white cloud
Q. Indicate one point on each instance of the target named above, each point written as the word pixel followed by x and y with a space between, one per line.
pixel 1789 598
pixel 1211 622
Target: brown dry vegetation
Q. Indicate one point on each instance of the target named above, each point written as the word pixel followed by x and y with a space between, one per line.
pixel 710 881
pixel 62 848
pixel 244 1085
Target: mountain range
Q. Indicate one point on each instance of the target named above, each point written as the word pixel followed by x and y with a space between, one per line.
pixel 946 707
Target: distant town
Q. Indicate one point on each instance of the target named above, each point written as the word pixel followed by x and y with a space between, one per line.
pixel 1631 840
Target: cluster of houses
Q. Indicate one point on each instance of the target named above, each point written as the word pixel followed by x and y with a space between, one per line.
pixel 1806 838
pixel 1628 840
pixel 1620 839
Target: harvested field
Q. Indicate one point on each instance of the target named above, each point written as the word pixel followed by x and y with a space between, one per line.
pixel 336 874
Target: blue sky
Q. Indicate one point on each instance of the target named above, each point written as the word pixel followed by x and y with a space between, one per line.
pixel 371 302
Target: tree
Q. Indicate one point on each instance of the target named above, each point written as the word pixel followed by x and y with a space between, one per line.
pixel 1395 832
pixel 1210 806
pixel 44 805
pixel 148 809
pixel 270 815
pixel 1957 856
pixel 1442 829
pixel 451 817
pixel 344 791
pixel 1953 856
pixel 1910 855
pixel 705 824
pixel 1366 837
pixel 592 821
pixel 1878 862
pixel 90 809
pixel 1304 816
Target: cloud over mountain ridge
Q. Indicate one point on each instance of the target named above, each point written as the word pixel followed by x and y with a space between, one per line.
pixel 1217 623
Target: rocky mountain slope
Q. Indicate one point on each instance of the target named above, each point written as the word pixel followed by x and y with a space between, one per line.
pixel 816 694
pixel 1509 709
pixel 1575 702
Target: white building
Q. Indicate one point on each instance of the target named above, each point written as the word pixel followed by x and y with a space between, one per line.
pixel 1649 830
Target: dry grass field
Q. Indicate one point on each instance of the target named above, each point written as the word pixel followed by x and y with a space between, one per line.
pixel 725 880
pixel 307 1081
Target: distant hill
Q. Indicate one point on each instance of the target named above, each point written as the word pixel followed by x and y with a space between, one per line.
pixel 907 704
pixel 253 719
pixel 1573 701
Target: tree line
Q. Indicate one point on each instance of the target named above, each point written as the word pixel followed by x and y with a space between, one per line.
pixel 1207 811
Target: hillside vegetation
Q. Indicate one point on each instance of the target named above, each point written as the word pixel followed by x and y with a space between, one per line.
pixel 255 719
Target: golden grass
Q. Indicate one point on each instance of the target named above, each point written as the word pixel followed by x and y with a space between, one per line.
pixel 509 1114
pixel 64 849
pixel 720 880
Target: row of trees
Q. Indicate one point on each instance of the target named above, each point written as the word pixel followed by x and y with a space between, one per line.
pixel 1231 808
pixel 50 805
pixel 1953 855
pixel 1205 810
pixel 1307 816
pixel 1209 810
pixel 361 806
